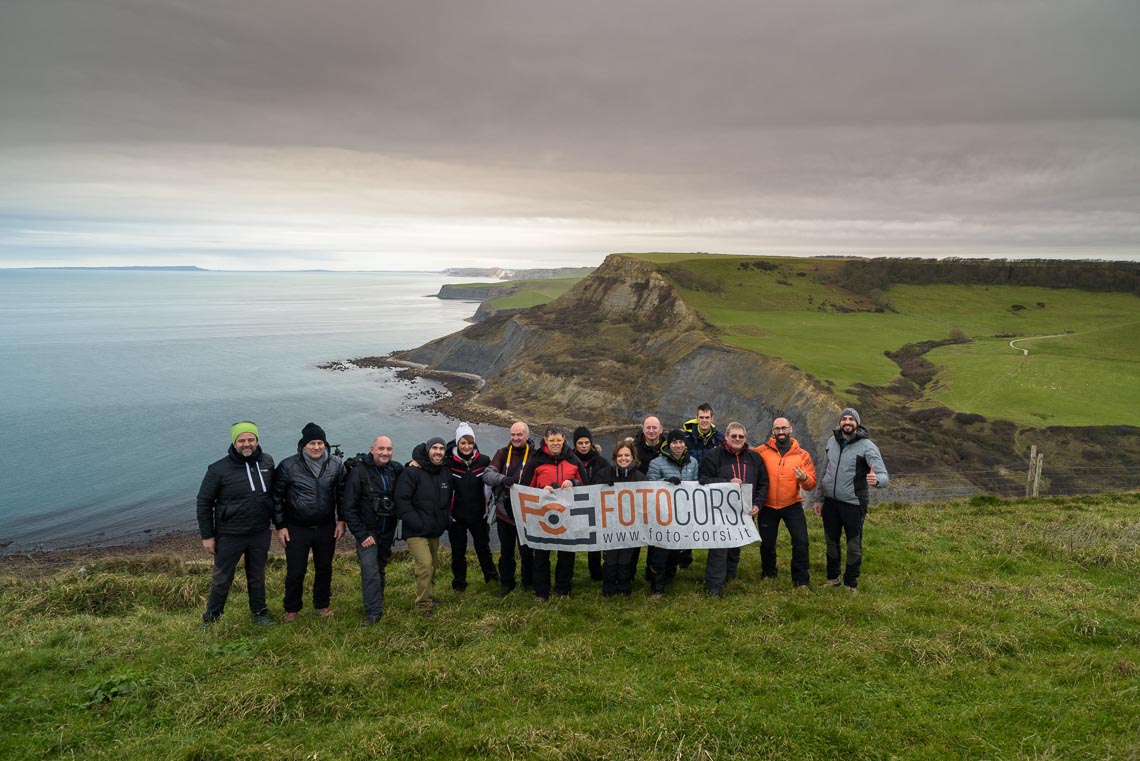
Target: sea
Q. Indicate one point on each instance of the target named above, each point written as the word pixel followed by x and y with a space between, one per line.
pixel 118 387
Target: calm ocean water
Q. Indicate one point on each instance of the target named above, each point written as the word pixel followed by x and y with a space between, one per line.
pixel 117 388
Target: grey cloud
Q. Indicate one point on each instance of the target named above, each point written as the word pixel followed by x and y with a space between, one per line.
pixel 741 122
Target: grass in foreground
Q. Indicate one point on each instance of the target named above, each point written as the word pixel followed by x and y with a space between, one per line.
pixel 982 629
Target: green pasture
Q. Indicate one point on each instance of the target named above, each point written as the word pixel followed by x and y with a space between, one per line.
pixel 982 629
pixel 1047 387
pixel 477 286
pixel 841 349
pixel 1088 376
pixel 534 292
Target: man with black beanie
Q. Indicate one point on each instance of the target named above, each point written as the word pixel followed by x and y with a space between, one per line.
pixel 307 513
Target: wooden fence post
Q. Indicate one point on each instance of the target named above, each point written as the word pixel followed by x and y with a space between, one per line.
pixel 1029 474
pixel 1037 475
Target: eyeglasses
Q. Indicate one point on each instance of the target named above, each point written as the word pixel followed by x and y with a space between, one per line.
pixel 737 436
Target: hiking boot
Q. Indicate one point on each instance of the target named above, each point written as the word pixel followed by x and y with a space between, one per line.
pixel 852 590
pixel 372 620
pixel 541 598
pixel 832 582
pixel 291 617
pixel 264 619
pixel 325 613
pixel 504 591
pixel 715 593
pixel 207 624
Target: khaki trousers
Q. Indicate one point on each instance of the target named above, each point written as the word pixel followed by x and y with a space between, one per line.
pixel 425 559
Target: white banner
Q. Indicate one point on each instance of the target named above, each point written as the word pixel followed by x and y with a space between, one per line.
pixel 634 515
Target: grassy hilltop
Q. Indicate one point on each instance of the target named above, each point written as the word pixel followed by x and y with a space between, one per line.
pixel 983 629
pixel 1083 366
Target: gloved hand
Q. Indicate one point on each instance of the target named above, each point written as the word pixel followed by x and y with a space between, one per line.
pixel 674 480
pixel 507 482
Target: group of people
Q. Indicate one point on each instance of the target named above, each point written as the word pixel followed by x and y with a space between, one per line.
pixel 312 497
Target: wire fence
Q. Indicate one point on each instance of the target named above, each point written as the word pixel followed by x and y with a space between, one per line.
pixel 1010 481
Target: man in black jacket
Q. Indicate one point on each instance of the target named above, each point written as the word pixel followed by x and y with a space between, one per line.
pixel 369 504
pixel 306 511
pixel 423 503
pixel 732 462
pixel 234 508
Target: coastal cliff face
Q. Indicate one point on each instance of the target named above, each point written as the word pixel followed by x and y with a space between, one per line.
pixel 623 343
pixel 620 345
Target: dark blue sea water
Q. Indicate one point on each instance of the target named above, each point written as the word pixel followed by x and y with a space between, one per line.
pixel 117 388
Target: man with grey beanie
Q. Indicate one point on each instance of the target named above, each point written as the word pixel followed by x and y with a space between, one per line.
pixel 851 464
pixel 423 503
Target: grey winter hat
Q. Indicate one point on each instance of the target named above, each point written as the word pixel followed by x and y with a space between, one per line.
pixel 433 441
pixel 851 411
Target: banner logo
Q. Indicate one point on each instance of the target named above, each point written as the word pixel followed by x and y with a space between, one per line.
pixel 633 515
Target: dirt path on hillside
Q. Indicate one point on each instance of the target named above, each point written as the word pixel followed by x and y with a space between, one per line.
pixel 1013 343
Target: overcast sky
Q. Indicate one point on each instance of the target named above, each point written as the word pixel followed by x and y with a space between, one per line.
pixel 353 134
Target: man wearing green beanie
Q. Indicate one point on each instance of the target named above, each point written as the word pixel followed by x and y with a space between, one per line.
pixel 235 504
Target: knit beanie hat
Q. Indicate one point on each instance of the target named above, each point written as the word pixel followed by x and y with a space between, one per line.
pixel 311 432
pixel 245 426
pixel 851 411
pixel 464 430
pixel 582 432
pixel 433 441
pixel 674 435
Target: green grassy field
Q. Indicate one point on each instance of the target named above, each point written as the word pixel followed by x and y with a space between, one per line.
pixel 1089 376
pixel 534 292
pixel 982 629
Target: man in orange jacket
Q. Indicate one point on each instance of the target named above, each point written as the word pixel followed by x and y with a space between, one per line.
pixel 789 469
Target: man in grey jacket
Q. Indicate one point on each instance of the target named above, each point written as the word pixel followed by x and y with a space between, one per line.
pixel 851 464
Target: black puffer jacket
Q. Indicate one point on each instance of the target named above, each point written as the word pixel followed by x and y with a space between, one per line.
pixel 595 468
pixel 469 494
pixel 302 499
pixel 363 503
pixel 423 499
pixel 236 496
pixel 628 475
